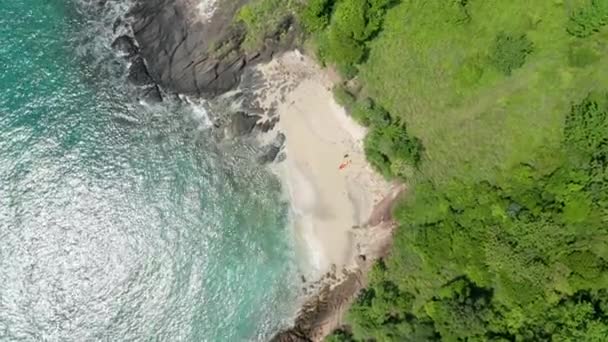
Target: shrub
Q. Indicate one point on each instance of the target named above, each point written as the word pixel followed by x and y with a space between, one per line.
pixel 390 144
pixel 586 126
pixel 510 52
pixel 315 16
pixel 343 97
pixel 517 258
pixel 388 147
pixel 340 47
pixel 349 17
pixel 588 19
pixel 375 15
pixel 367 113
pixel 352 24
pixel 347 71
pixel 340 336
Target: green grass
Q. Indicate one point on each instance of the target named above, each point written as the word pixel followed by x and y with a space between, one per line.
pixel 434 69
pixel 263 18
pixel 504 234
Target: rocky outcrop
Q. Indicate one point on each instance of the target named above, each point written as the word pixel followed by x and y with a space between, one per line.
pixel 322 313
pixel 138 75
pixel 272 151
pixel 189 55
pixel 125 46
pixel 242 124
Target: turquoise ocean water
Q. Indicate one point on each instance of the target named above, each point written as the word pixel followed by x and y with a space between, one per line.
pixel 120 221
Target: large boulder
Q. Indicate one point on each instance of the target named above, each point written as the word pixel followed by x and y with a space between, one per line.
pixel 188 54
pixel 138 73
pixel 125 45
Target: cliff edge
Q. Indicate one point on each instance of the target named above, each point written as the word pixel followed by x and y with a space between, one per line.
pixel 200 54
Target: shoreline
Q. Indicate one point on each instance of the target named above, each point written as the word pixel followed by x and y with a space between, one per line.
pixel 330 186
pixel 341 208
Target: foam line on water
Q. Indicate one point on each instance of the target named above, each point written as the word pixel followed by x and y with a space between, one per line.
pixel 300 193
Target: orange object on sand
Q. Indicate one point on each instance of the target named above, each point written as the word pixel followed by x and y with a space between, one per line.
pixel 343 165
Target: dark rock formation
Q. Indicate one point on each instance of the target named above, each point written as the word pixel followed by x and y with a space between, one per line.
pixel 138 73
pixel 152 94
pixel 125 45
pixel 242 124
pixel 147 89
pixel 322 313
pixel 273 149
pixel 188 56
pixel 269 124
pixel 292 335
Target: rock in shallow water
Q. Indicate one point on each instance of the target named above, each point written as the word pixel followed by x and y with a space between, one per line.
pixel 138 73
pixel 242 124
pixel 185 55
pixel 152 94
pixel 189 56
pixel 125 45
pixel 272 151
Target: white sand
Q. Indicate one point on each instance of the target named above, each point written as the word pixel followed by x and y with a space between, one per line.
pixel 328 204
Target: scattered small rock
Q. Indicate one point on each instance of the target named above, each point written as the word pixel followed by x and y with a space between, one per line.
pixel 281 157
pixel 268 124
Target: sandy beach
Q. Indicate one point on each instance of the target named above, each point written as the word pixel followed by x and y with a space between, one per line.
pixel 331 188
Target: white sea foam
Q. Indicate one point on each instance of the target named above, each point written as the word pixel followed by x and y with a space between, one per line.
pixel 299 191
pixel 198 112
pixel 206 9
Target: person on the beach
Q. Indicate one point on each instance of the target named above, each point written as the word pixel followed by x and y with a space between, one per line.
pixel 344 165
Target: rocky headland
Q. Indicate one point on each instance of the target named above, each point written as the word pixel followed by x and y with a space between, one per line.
pixel 193 54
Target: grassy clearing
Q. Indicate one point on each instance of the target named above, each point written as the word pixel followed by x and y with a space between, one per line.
pixel 433 66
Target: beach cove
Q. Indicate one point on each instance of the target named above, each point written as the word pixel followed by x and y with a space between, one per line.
pixel 340 209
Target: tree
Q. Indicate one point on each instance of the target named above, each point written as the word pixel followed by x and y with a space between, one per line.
pixel 510 52
pixel 316 15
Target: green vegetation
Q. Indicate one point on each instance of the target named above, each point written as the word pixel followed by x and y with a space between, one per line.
pixel 263 18
pixel 504 236
pixel 522 258
pixel 315 16
pixel 388 147
pixel 391 151
pixel 590 18
pixel 343 28
pixel 510 52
